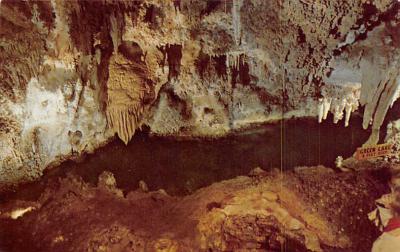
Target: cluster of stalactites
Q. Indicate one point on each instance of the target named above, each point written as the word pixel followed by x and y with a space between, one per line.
pixel 387 92
pixel 124 120
pixel 126 88
pixel 340 100
pixel 235 60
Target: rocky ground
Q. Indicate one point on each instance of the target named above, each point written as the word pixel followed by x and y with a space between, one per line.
pixel 313 209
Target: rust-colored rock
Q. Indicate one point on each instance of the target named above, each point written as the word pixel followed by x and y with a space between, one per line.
pixel 310 211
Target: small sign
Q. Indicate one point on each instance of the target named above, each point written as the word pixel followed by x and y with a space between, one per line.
pixel 373 151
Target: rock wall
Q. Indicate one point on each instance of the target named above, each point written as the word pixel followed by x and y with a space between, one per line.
pixel 50 91
pixel 74 73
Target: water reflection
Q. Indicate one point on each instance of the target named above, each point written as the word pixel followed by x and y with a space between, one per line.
pixel 182 166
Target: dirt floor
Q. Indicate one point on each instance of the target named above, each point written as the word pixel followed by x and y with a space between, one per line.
pixel 313 209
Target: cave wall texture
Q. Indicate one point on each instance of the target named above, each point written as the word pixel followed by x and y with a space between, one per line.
pixel 74 73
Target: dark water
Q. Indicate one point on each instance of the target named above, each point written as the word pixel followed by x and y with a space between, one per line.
pixel 182 166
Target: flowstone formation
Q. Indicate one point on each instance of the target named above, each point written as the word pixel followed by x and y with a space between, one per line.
pixel 75 73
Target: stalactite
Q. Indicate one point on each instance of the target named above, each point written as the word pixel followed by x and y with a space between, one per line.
pixel 124 120
pixel 341 100
pixel 327 106
pixel 115 32
pixel 320 109
pixel 375 111
pixel 61 43
pixel 324 105
pixel 126 89
pixel 236 22
pixel 348 109
pixel 235 59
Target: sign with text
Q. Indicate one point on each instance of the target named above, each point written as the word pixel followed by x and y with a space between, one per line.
pixel 373 151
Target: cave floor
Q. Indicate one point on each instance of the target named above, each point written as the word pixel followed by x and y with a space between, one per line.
pixel 313 209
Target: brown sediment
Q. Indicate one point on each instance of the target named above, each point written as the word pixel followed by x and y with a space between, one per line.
pixel 312 209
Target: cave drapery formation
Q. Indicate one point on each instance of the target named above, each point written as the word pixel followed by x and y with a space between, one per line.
pixel 74 73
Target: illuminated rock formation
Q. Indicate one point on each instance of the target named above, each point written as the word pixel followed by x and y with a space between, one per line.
pixel 74 73
pixel 126 88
